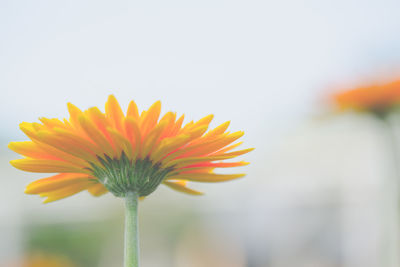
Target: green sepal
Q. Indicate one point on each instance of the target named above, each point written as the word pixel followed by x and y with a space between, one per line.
pixel 121 175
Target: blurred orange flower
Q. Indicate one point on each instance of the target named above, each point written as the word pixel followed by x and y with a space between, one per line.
pixel 43 260
pixel 118 152
pixel 376 98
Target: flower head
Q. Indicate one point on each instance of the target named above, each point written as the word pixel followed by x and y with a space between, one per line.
pixel 378 99
pixel 117 152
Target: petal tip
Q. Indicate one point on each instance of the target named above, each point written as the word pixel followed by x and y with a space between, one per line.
pixel 47 200
pixel 28 191
pixel 111 98
pixel 14 163
pixel 11 145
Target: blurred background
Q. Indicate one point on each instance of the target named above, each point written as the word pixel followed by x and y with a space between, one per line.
pixel 314 189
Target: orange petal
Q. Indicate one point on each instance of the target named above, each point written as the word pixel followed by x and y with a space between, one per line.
pixel 30 149
pixel 168 145
pixel 66 191
pixel 38 150
pixel 121 143
pixel 215 145
pixel 169 118
pixel 47 166
pixel 150 118
pixel 192 136
pixel 134 135
pixel 114 113
pixel 151 139
pixel 58 154
pixel 99 119
pixel 96 135
pixel 56 182
pixel 68 143
pixel 177 127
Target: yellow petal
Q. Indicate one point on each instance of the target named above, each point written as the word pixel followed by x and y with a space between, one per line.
pixel 234 154
pixel 177 127
pixel 66 191
pixel 206 177
pixel 215 165
pixel 37 126
pixel 28 129
pixel 114 113
pixel 99 119
pixel 206 120
pixel 68 143
pixel 203 169
pixel 51 123
pixel 191 140
pixel 228 148
pixel 150 118
pixel 97 137
pixel 134 135
pixel 215 145
pixel 121 143
pixel 195 133
pixel 62 155
pixel 168 145
pixel 181 187
pixel 56 182
pixel 133 110
pixel 74 113
pixel 219 130
pixel 29 149
pixel 152 138
pixel 202 122
pixel 97 190
pixel 187 146
pixel 47 166
pixel 181 162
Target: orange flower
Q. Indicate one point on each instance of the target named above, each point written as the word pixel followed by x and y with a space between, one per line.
pixel 377 98
pixel 118 152
pixel 42 260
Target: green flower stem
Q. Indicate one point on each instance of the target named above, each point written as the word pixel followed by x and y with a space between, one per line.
pixel 131 230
